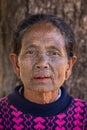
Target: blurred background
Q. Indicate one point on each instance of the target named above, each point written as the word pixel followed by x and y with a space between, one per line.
pixel 74 12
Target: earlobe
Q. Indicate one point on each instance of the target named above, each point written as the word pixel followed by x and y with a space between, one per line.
pixel 14 60
pixel 71 62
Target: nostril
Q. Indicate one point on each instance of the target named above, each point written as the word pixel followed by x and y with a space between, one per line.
pixel 45 67
pixel 40 66
pixel 37 66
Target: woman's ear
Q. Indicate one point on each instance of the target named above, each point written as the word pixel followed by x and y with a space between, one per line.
pixel 14 60
pixel 71 62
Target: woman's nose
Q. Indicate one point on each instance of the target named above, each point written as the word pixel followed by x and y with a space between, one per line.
pixel 42 62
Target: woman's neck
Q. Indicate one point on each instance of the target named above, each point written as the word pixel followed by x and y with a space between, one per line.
pixel 41 97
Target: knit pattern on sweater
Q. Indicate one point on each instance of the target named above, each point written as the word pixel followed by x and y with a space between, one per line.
pixel 74 117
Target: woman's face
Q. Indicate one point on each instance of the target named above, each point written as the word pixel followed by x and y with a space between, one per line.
pixel 42 61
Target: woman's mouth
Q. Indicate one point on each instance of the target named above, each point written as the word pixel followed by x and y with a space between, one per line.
pixel 43 78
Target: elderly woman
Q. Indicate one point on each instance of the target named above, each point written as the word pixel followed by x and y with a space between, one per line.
pixel 43 56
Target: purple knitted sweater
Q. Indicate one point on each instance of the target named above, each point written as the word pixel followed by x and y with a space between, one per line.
pixel 67 113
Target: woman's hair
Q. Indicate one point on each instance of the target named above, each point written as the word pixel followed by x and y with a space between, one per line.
pixel 70 43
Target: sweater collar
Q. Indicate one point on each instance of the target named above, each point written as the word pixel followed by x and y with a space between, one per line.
pixel 50 109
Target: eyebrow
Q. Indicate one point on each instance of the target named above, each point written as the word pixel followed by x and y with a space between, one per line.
pixel 47 47
pixel 31 46
pixel 54 48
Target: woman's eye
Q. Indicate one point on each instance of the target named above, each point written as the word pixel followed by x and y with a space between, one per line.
pixel 54 53
pixel 31 52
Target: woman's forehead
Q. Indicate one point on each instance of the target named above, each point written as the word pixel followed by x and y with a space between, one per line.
pixel 42 29
pixel 44 26
pixel 46 34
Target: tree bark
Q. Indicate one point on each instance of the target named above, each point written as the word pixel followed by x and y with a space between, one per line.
pixel 74 12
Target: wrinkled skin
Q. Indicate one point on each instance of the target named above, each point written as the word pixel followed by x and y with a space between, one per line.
pixel 42 64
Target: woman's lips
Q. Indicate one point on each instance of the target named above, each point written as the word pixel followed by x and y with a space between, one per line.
pixel 42 78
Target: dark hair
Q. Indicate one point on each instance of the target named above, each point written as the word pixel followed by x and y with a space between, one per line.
pixel 70 42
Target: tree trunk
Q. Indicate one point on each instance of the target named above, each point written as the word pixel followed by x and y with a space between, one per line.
pixel 74 12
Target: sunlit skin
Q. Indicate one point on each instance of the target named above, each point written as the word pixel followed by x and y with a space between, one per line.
pixel 42 64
